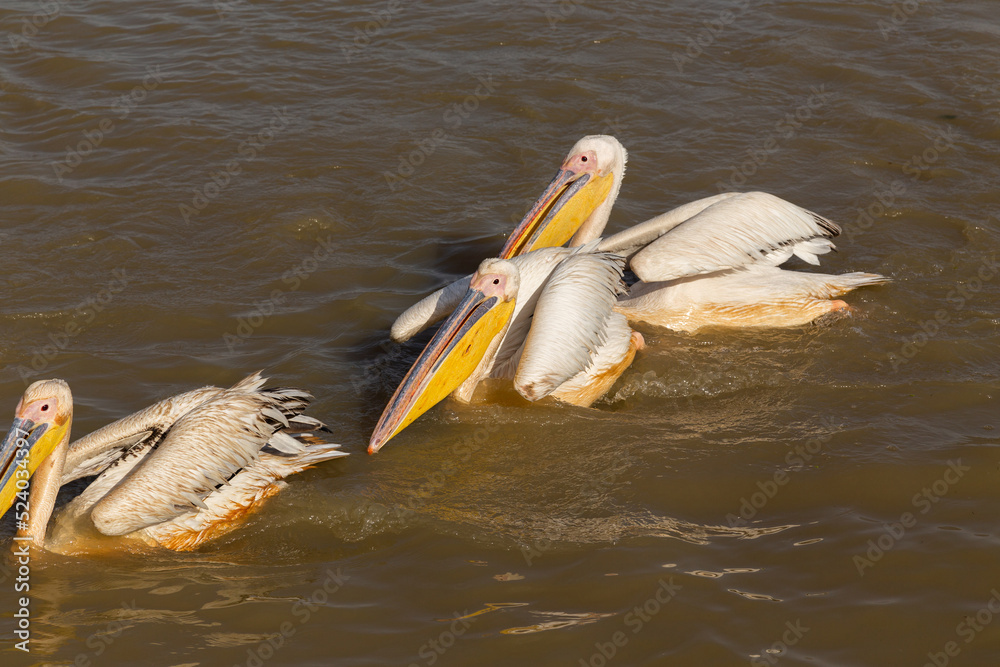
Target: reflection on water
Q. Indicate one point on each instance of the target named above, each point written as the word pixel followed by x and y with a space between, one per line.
pixel 560 620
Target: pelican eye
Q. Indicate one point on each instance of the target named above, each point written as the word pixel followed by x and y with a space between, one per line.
pixel 583 158
pixel 45 407
pixel 496 281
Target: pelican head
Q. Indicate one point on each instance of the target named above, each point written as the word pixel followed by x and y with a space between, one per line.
pixel 41 423
pixel 456 351
pixel 577 202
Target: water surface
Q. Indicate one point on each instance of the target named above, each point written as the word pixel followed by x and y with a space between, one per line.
pixel 192 192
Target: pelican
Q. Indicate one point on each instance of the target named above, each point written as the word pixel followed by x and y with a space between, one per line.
pixel 180 472
pixel 543 319
pixel 712 262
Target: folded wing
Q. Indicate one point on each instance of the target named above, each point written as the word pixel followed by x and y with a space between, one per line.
pixel 202 451
pixel 569 323
pixel 93 453
pixel 731 231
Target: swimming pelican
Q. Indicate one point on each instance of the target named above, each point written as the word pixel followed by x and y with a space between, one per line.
pixel 176 474
pixel 543 319
pixel 712 262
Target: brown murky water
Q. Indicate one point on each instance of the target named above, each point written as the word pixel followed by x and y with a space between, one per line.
pixel 192 192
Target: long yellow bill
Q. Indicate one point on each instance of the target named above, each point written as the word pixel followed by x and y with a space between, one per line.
pixel 22 451
pixel 568 200
pixel 449 359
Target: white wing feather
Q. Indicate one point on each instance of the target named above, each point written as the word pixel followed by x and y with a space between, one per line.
pixel 93 453
pixel 732 232
pixel 534 268
pixel 210 443
pixel 630 241
pixel 569 321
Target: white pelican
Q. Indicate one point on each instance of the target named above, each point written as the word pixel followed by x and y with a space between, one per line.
pixel 544 319
pixel 712 262
pixel 176 474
